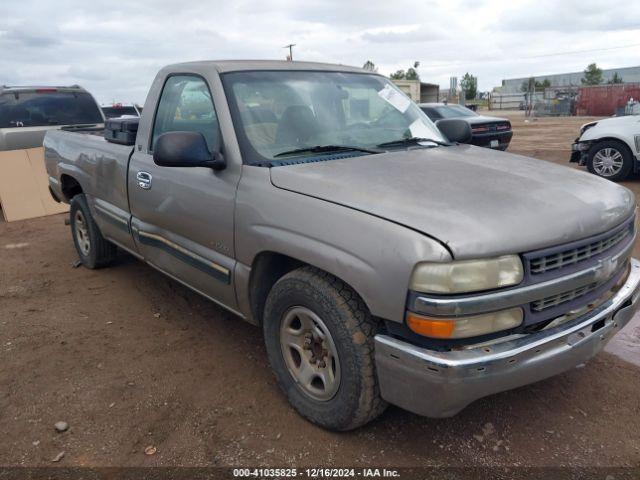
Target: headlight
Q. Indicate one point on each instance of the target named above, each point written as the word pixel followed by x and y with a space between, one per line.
pixel 467 275
pixel 587 126
pixel 464 327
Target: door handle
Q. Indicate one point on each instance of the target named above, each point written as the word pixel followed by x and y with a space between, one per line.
pixel 144 180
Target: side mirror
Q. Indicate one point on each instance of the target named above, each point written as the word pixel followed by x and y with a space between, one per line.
pixel 455 130
pixel 185 149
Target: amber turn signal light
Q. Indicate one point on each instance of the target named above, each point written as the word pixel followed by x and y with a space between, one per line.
pixel 430 327
pixel 465 327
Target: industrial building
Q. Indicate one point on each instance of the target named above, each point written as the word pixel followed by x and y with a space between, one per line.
pixel 514 85
pixel 419 92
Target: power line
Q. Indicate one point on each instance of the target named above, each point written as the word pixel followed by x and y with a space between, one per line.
pixel 584 51
pixel 546 55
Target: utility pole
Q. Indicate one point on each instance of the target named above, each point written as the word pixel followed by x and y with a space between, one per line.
pixel 290 47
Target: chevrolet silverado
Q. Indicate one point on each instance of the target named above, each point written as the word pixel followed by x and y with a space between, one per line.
pixel 385 259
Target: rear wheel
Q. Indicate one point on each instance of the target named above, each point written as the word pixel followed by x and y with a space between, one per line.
pixel 319 339
pixel 611 160
pixel 93 249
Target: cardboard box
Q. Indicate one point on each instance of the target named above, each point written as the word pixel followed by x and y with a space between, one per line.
pixel 24 186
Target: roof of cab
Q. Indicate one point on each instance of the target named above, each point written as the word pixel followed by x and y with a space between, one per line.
pixel 224 66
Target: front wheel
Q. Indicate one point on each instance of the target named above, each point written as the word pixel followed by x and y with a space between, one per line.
pixel 610 159
pixel 319 339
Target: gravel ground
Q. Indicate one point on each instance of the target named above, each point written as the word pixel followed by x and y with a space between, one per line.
pixel 130 359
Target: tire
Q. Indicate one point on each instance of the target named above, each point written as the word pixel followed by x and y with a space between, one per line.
pixel 610 159
pixel 94 251
pixel 308 297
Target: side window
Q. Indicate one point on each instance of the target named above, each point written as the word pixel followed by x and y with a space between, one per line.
pixel 186 106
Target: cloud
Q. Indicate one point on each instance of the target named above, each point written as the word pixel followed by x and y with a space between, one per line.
pixel 114 49
pixel 414 35
pixel 585 16
pixel 28 37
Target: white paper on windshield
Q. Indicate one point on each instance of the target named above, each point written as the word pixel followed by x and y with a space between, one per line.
pixel 420 130
pixel 395 98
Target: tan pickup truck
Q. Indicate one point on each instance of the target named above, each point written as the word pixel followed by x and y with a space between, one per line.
pixel 385 259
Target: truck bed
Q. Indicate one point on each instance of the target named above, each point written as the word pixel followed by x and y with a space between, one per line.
pixel 98 165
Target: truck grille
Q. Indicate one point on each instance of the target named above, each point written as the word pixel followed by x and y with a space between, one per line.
pixel 555 300
pixel 490 127
pixel 572 256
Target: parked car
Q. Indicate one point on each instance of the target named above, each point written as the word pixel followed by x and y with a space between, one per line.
pixel 610 148
pixel 27 113
pixel 492 132
pixel 384 261
pixel 121 110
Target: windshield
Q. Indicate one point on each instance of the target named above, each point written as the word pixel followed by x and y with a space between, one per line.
pixel 280 111
pixel 448 111
pixel 35 109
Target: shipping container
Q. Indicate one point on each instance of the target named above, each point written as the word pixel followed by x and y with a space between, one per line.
pixel 605 100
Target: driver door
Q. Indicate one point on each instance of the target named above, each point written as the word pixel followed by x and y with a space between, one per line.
pixel 183 217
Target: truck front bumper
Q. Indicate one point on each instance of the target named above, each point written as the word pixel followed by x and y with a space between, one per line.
pixel 440 384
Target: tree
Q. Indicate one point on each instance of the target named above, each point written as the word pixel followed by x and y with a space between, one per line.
pixel 529 85
pixel 540 86
pixel 592 75
pixel 615 79
pixel 469 85
pixel 370 66
pixel 533 85
pixel 410 74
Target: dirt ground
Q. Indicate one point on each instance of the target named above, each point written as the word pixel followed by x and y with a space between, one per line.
pixel 131 359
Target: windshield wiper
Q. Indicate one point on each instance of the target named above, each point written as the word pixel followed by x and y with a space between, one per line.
pixel 412 141
pixel 326 149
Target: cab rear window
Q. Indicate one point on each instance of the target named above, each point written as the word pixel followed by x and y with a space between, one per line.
pixel 115 112
pixel 36 109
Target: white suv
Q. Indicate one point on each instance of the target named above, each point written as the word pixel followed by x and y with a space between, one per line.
pixel 609 148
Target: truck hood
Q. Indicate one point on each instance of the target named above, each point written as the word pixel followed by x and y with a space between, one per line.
pixel 476 201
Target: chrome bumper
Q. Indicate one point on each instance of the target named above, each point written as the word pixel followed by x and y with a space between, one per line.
pixel 440 384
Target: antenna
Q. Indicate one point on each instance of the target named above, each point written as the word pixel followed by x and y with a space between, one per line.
pixel 290 47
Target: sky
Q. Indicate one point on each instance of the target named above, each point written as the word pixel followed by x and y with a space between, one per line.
pixel 114 48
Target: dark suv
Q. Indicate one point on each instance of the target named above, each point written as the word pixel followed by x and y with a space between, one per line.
pixel 26 113
pixel 491 132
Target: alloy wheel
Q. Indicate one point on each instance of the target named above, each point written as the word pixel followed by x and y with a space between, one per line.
pixel 607 162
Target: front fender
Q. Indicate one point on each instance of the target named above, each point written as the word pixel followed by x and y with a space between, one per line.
pixel 373 255
pixel 595 134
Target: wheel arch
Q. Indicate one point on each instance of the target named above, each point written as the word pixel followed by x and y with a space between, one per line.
pixel 69 186
pixel 619 140
pixel 266 269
